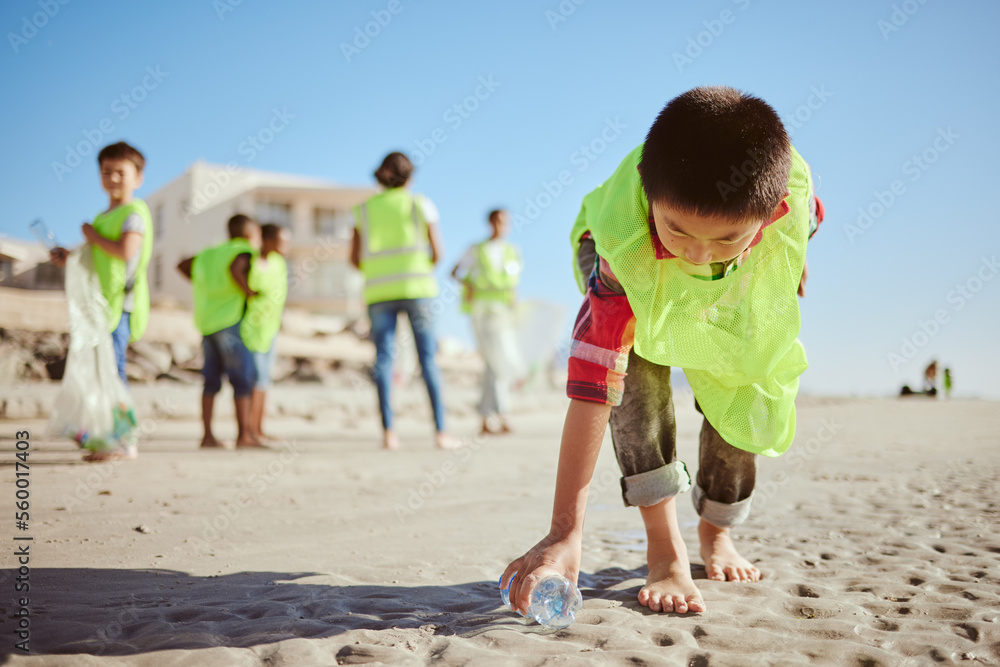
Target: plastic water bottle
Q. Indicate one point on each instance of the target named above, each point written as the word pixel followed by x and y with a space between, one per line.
pixel 554 601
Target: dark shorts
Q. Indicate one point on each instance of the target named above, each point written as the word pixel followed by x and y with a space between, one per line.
pixel 225 353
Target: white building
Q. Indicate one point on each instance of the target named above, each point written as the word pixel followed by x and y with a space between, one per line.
pixel 190 214
pixel 26 265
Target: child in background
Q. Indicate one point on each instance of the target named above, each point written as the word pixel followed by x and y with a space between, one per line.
pixel 260 325
pixel 220 284
pixel 695 251
pixel 121 239
pixel 490 272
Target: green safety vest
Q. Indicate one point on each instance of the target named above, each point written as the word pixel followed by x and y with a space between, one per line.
pixel 736 337
pixel 263 315
pixel 486 282
pixel 112 271
pixel 395 248
pixel 218 301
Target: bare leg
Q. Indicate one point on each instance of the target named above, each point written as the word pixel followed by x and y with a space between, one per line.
pixel 669 586
pixel 722 561
pixel 245 436
pixel 257 413
pixel 390 440
pixel 207 408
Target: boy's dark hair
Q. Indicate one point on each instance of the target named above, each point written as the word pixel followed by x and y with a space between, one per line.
pixel 495 214
pixel 122 151
pixel 270 231
pixel 238 225
pixel 717 152
pixel 394 171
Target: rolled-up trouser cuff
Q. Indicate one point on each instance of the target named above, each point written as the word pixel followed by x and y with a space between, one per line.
pixel 723 515
pixel 653 486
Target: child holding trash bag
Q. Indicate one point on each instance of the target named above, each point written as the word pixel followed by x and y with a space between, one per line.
pixel 120 244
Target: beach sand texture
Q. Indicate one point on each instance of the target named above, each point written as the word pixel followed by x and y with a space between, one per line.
pixel 876 534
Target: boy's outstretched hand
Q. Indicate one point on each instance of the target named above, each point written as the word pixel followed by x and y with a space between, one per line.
pixel 553 555
pixel 58 257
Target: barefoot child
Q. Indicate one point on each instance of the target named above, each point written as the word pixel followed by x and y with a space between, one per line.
pixel 490 272
pixel 260 325
pixel 219 282
pixel 695 250
pixel 121 240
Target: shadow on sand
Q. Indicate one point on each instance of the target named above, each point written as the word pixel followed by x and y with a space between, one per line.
pixel 127 612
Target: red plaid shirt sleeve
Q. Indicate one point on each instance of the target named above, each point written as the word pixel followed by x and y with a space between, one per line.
pixel 602 339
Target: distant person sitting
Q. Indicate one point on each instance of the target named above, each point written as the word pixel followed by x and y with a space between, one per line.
pixel 490 272
pixel 220 285
pixel 395 246
pixel 930 378
pixel 260 325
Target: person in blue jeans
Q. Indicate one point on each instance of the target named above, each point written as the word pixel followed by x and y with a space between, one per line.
pixel 395 246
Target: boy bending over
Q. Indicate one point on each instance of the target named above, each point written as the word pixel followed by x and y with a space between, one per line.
pixel 695 250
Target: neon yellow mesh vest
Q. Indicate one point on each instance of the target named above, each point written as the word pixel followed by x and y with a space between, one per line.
pixel 487 282
pixel 735 338
pixel 112 270
pixel 395 248
pixel 218 301
pixel 262 319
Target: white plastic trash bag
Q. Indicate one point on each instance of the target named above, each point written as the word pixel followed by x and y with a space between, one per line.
pixel 94 407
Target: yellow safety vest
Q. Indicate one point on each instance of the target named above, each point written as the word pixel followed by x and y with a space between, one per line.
pixel 112 271
pixel 263 315
pixel 395 248
pixel 736 337
pixel 218 300
pixel 486 282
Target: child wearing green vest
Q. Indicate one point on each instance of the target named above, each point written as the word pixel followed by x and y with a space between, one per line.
pixel 260 325
pixel 220 286
pixel 489 272
pixel 692 254
pixel 121 239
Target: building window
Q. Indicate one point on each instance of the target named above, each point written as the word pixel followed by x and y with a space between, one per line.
pixel 335 223
pixel 6 268
pixel 185 210
pixel 278 213
pixel 157 272
pixel 158 222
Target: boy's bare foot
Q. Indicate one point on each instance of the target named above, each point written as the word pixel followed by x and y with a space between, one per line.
pixel 722 561
pixel 485 428
pixel 390 440
pixel 250 442
pixel 120 454
pixel 445 441
pixel 669 586
pixel 211 443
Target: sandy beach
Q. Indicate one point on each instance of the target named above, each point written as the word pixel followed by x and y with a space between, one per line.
pixel 876 534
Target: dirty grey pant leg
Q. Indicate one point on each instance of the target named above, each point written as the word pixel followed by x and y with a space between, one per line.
pixel 644 434
pixel 725 482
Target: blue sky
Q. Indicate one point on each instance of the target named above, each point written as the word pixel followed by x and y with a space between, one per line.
pixel 892 103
